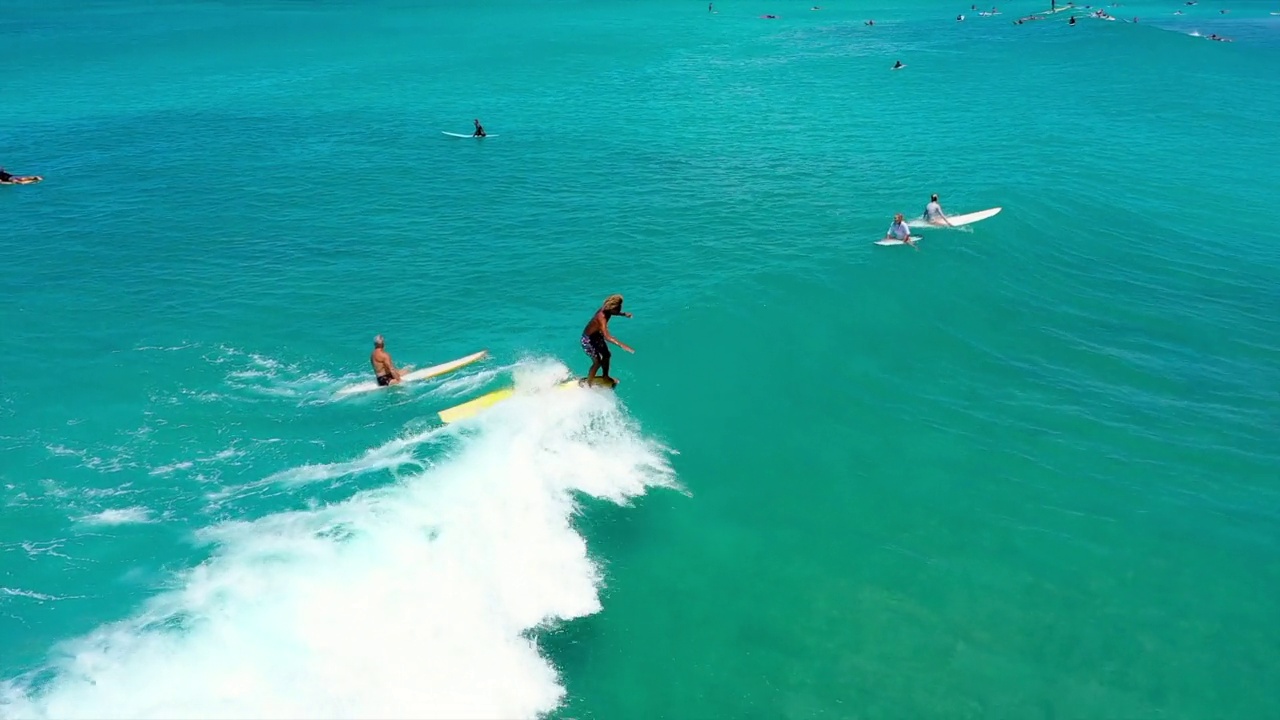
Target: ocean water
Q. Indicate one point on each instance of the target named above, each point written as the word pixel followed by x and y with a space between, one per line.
pixel 1028 470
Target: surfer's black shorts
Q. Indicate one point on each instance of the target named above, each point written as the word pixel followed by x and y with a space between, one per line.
pixel 594 346
pixel 384 380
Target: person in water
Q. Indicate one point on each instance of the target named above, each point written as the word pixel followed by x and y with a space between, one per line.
pixel 897 65
pixel 1072 21
pixel 6 177
pixel 899 230
pixel 383 368
pixel 933 213
pixel 479 129
pixel 596 336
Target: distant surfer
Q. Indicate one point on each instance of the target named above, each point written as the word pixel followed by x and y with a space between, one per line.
pixel 596 336
pixel 7 178
pixel 899 230
pixel 933 213
pixel 383 368
pixel 871 22
pixel 479 129
pixel 959 18
pixel 1072 21
pixel 898 65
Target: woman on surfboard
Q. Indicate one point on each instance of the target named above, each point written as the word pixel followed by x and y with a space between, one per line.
pixel 11 179
pixel 933 212
pixel 596 336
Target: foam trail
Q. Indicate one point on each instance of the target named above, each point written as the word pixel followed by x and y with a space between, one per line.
pixel 123 516
pixel 414 600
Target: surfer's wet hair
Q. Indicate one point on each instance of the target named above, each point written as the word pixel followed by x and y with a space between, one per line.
pixel 613 303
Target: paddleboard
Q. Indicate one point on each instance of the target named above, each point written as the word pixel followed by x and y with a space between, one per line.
pixel 896 241
pixel 24 180
pixel 958 220
pixel 468 135
pixel 421 374
pixel 473 407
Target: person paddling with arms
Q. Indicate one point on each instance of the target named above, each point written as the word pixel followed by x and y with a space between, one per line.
pixel 383 368
pixel 596 336
pixel 899 231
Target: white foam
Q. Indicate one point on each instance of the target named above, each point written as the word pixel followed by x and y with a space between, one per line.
pixel 122 516
pixel 413 601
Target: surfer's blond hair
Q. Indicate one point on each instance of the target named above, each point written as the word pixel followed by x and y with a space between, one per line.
pixel 613 303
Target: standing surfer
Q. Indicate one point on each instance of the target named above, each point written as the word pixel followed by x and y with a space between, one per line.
pixel 596 336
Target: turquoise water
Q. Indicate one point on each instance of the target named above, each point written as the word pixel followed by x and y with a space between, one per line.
pixel 1030 470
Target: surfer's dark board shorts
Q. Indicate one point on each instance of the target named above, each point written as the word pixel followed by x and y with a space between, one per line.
pixel 594 347
pixel 384 380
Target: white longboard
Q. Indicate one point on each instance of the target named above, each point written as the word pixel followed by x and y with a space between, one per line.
pixel 421 374
pixel 958 220
pixel 471 135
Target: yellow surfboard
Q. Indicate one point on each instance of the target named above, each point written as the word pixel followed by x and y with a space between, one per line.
pixel 472 407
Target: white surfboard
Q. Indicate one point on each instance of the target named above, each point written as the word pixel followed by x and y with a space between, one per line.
pixel 896 241
pixel 958 220
pixel 421 374
pixel 469 135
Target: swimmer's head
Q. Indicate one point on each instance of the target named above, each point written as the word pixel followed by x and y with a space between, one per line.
pixel 934 197
pixel 379 342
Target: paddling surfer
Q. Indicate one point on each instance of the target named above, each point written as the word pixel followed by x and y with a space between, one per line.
pixel 479 129
pixel 383 368
pixel 596 336
pixel 899 231
pixel 933 213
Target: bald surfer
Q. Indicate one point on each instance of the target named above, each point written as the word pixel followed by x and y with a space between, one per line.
pixel 383 367
pixel 596 336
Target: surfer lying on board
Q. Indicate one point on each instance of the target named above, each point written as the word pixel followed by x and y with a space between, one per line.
pixel 933 213
pixel 479 129
pixel 899 230
pixel 7 178
pixel 383 368
pixel 596 335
